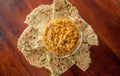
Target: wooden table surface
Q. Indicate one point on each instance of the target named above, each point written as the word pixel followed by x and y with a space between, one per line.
pixel 104 17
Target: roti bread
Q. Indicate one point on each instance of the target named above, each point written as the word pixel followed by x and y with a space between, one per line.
pixel 30 41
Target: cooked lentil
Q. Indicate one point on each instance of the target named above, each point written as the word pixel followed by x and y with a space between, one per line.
pixel 60 36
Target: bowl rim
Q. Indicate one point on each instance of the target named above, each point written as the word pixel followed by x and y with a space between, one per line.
pixel 76 48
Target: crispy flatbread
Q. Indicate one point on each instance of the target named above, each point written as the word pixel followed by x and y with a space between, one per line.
pixel 30 42
pixel 59 65
pixel 91 36
pixel 63 8
pixel 82 57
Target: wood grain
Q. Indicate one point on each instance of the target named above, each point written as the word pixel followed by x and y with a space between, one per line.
pixel 104 17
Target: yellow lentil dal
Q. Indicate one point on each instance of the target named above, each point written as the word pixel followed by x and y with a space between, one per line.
pixel 60 36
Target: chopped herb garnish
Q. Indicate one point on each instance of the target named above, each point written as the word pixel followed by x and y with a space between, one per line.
pixel 65 2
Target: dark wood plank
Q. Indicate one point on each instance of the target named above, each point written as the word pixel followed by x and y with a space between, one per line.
pixel 104 16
